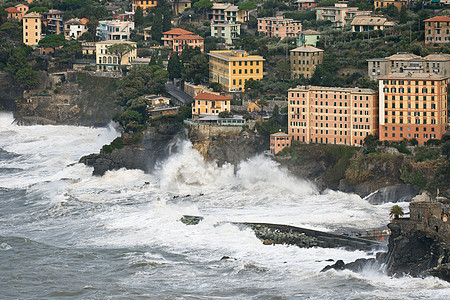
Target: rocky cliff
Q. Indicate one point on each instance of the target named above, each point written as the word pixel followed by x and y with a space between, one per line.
pixel 225 144
pixel 69 98
pixel 9 92
pixel 157 144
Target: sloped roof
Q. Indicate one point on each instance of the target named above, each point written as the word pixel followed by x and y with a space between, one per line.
pixel 74 21
pixel 211 97
pixel 12 10
pixel 84 21
pixel 32 15
pixel 363 20
pixel 281 134
pixel 438 19
pixel 402 56
pixel 437 56
pixel 306 49
pixel 178 31
pixel 309 32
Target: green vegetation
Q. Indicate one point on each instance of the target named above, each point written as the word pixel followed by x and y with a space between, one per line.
pixel 115 144
pixel 396 211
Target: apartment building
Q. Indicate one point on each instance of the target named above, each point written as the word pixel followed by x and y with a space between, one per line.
pixel 227 31
pixel 304 60
pixel 74 28
pixel 380 4
pixel 279 27
pixel 107 62
pixel 53 20
pixel 437 30
pixel 306 4
pixel 115 30
pixel 412 105
pixel 368 23
pixel 210 104
pixel 232 68
pixel 32 29
pixel 178 39
pixel 308 38
pixel 402 62
pixel 226 12
pixel 339 14
pixel 332 115
pixel 144 4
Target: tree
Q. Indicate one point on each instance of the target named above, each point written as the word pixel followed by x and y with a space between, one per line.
pixel 396 211
pixel 157 26
pixel 3 14
pixel 445 149
pixel 120 50
pixel 252 85
pixel 414 142
pixel 53 41
pixel 142 80
pixel 203 5
pixel 174 66
pixel 370 142
pixel 225 114
pixel 197 69
pixel 247 5
pixel 139 17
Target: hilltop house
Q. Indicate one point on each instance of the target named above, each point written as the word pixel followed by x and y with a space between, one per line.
pixel 107 62
pixel 279 141
pixel 437 30
pixel 210 104
pixel 178 39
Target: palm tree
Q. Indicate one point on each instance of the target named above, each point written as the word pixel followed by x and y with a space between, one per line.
pixel 396 211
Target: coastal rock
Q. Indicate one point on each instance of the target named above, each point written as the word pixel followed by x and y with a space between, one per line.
pixel 157 144
pixel 393 193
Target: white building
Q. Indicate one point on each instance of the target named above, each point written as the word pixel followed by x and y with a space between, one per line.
pixel 74 28
pixel 107 62
pixel 227 31
pixel 114 30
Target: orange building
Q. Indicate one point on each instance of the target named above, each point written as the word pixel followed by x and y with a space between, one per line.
pixel 144 4
pixel 437 30
pixel 210 104
pixel 380 4
pixel 278 141
pixel 332 115
pixel 412 105
pixel 179 39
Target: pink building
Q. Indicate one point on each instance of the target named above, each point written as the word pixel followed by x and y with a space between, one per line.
pixel 306 4
pixel 279 141
pixel 279 27
pixel 179 39
pixel 332 115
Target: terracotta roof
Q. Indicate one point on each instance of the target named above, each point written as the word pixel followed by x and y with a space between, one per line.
pixel 84 21
pixel 12 10
pixel 178 31
pixel 32 15
pixel 188 37
pixel 279 134
pixel 438 19
pixel 211 97
pixel 306 49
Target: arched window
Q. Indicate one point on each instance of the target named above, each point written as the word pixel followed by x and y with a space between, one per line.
pixel 104 59
pixel 115 60
pixel 109 60
pixel 424 90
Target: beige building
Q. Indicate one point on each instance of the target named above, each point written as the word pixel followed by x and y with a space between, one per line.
pixel 437 30
pixel 279 27
pixel 304 61
pixel 368 23
pixel 401 62
pixel 332 115
pixel 380 4
pixel 227 31
pixel 32 29
pixel 226 12
pixel 339 14
pixel 210 104
pixel 232 68
pixel 412 105
pixel 108 62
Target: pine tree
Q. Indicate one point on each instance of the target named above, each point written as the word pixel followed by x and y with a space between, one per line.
pixel 174 66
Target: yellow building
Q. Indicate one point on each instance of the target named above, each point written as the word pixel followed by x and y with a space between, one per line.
pixel 32 29
pixel 232 68
pixel 380 4
pixel 144 4
pixel 210 104
pixel 108 62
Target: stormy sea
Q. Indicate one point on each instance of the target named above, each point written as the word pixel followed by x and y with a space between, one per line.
pixel 65 234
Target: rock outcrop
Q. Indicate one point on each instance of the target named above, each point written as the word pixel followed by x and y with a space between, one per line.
pixel 225 144
pixel 157 144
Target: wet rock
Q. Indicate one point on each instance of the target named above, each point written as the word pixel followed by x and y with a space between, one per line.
pixel 393 193
pixel 339 265
pixel 191 220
